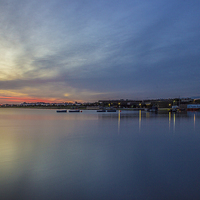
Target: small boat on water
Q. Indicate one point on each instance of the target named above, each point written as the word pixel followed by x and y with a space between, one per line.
pixel 111 110
pixel 102 110
pixel 61 111
pixel 74 110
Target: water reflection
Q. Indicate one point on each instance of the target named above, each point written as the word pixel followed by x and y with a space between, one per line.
pixel 142 114
pixel 119 121
pixel 83 156
pixel 140 119
pixel 147 114
pixel 174 120
pixel 194 116
pixel 169 120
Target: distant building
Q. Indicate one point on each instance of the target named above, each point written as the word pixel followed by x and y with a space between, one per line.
pixel 193 107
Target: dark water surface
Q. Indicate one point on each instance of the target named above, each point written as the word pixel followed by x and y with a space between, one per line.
pixel 90 155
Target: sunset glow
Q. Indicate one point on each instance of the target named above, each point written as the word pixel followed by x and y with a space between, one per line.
pixel 65 52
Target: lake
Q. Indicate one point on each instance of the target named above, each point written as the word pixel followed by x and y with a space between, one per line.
pixel 125 155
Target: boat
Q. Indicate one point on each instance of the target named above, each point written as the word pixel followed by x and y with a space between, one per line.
pixel 111 110
pixel 174 108
pixel 61 111
pixel 74 110
pixel 101 110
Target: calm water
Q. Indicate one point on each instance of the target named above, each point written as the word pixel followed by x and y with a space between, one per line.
pixel 90 155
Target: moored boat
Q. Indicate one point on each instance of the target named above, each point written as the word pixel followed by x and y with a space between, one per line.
pixel 61 111
pixel 174 108
pixel 74 110
pixel 111 110
pixel 102 110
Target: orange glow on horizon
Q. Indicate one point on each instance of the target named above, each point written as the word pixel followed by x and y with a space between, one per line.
pixel 17 100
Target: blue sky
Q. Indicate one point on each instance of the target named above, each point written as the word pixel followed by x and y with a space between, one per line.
pixel 79 50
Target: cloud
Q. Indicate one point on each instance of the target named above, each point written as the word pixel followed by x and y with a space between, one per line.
pixel 89 50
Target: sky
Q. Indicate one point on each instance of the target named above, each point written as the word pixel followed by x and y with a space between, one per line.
pixel 88 50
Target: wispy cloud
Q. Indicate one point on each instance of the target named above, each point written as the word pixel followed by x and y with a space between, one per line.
pixel 94 50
